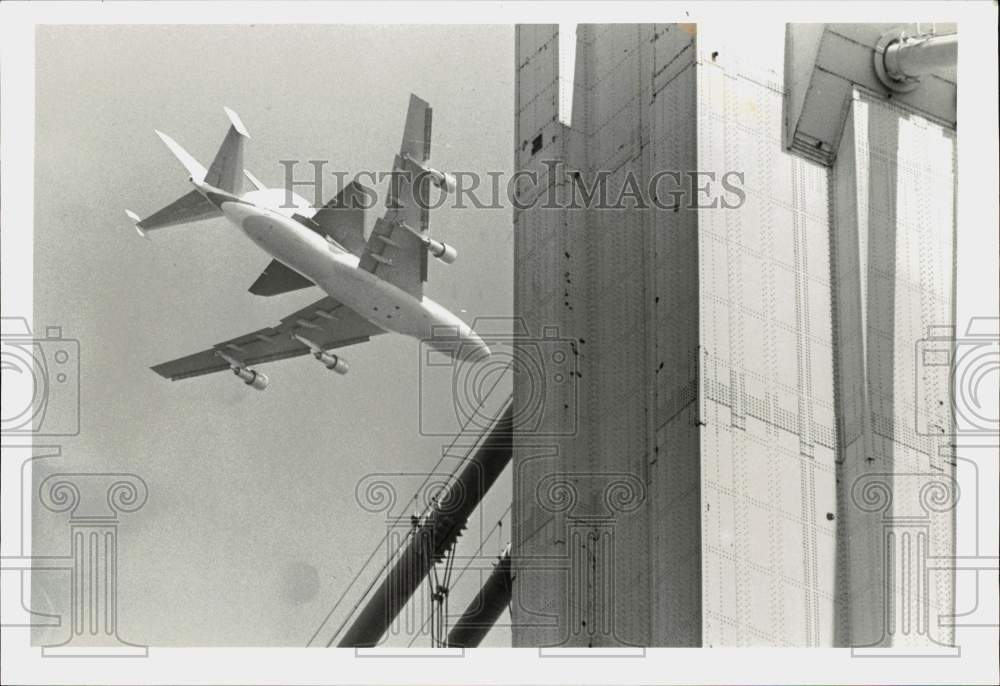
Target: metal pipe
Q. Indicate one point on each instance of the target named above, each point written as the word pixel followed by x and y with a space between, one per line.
pixel 484 610
pixel 915 56
pixel 902 60
pixel 434 534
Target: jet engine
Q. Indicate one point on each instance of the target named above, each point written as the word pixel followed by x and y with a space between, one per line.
pixel 252 378
pixel 331 362
pixel 438 249
pixel 442 180
pixel 441 251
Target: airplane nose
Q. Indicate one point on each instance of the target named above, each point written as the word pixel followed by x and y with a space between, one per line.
pixel 481 353
pixel 473 349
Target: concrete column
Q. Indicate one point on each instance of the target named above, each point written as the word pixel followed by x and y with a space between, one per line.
pixel 893 237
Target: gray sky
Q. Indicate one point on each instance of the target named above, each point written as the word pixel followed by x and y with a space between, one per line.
pixel 249 492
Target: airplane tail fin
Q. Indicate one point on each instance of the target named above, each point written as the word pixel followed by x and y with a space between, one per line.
pixel 226 170
pixel 225 173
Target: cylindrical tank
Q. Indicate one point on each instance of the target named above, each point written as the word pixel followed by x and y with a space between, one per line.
pixel 919 55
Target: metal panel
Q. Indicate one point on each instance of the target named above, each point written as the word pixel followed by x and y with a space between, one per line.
pixel 708 348
pixel 894 233
pixel 826 61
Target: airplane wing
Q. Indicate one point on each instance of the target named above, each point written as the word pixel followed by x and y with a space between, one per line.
pixel 394 253
pixel 343 218
pixel 326 322
pixel 277 279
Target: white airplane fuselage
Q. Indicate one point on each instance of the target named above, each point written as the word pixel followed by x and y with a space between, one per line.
pixel 261 216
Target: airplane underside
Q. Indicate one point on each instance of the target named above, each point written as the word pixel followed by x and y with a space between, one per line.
pixel 336 271
pixel 374 285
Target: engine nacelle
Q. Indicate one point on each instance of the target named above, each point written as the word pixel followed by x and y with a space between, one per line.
pixel 441 251
pixel 252 378
pixel 443 180
pixel 332 362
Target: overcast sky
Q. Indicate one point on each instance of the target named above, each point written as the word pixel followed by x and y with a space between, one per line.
pixel 251 531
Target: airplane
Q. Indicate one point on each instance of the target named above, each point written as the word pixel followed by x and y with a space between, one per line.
pixel 372 286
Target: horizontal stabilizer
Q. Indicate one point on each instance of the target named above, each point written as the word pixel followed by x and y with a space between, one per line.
pixel 135 220
pixel 343 218
pixel 188 208
pixel 193 167
pixel 254 181
pixel 277 279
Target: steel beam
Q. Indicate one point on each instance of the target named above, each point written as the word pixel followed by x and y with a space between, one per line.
pixel 484 610
pixel 434 533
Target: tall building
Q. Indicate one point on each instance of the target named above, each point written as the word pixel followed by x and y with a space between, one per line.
pixel 750 447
